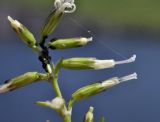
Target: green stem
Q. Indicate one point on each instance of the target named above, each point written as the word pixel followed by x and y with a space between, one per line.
pixel 67 118
pixel 54 80
pixel 70 104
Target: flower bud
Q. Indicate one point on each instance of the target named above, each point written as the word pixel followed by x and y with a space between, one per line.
pixel 92 63
pixel 22 81
pixel 93 89
pixel 89 115
pixel 56 104
pixel 60 7
pixel 68 43
pixel 23 32
pixel 51 23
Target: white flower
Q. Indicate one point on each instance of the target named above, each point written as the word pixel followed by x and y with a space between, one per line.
pixel 66 6
pixel 57 103
pixel 102 64
pixel 14 23
pixel 5 88
pixel 93 63
pixel 127 78
pixel 114 81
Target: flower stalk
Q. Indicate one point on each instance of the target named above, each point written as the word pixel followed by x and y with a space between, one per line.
pixel 59 104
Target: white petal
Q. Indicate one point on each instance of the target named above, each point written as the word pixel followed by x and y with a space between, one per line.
pixel 4 88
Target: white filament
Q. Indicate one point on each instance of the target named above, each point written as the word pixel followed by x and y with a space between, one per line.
pixel 72 9
pixel 130 60
pixel 127 78
pixel 57 4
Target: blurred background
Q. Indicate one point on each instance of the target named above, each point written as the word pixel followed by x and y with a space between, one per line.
pixel 120 29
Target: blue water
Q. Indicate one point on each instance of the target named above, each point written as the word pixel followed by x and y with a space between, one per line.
pixel 133 101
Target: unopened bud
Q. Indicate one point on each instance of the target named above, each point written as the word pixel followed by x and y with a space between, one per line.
pixel 22 81
pixel 56 104
pixel 93 89
pixel 51 23
pixel 68 43
pixel 93 63
pixel 89 115
pixel 23 32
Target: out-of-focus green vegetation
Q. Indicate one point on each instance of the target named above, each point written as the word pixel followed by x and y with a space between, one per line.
pixel 132 12
pixel 135 12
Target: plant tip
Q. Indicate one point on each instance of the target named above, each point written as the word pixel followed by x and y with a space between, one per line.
pixel 4 88
pixel 10 18
pixel 130 60
pixel 133 58
pixel 129 77
pixel 90 39
pixel 91 109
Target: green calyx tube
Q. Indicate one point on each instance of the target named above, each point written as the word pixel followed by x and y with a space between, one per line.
pixel 26 36
pixel 68 43
pixel 93 89
pixel 60 8
pixel 96 88
pixel 22 81
pixel 78 63
pixel 51 23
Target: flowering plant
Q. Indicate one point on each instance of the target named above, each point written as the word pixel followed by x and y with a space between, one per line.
pixel 42 48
